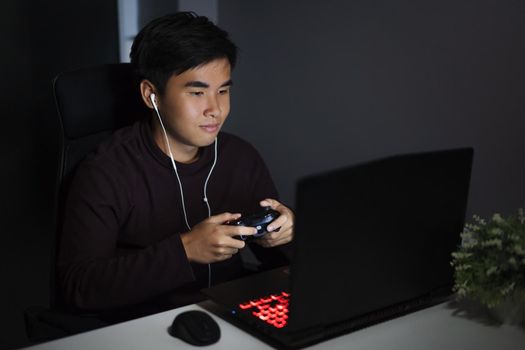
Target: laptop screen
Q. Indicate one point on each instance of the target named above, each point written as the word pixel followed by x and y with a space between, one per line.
pixel 372 241
pixel 376 234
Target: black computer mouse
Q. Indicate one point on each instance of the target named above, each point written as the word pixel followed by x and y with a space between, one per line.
pixel 195 327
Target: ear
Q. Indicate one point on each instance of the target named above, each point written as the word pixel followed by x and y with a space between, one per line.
pixel 146 89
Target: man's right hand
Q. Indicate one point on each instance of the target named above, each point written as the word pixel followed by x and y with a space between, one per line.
pixel 212 240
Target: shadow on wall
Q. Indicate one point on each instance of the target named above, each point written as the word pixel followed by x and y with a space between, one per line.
pixel 320 86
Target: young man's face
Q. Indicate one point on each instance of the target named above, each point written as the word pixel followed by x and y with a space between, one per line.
pixel 195 105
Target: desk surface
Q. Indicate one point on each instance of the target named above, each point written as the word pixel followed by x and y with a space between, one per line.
pixel 437 327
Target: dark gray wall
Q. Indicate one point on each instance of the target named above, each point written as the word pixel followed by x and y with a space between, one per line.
pixel 150 9
pixel 39 40
pixel 322 84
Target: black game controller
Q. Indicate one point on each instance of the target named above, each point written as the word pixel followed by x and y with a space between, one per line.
pixel 259 220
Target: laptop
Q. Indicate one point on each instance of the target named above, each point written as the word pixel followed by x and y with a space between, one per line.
pixel 372 241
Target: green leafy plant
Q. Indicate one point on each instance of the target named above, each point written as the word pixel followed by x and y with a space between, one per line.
pixel 490 262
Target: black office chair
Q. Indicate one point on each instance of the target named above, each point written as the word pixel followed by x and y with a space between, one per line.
pixel 91 103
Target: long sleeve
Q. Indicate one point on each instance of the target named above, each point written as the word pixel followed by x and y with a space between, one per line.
pixel 96 271
pixel 120 246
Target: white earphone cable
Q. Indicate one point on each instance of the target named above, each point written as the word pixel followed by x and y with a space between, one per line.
pixel 208 203
pixel 206 182
pixel 174 166
pixel 178 178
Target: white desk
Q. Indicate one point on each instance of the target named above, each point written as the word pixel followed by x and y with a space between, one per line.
pixel 433 328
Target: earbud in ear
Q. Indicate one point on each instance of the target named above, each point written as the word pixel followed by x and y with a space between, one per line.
pixel 153 99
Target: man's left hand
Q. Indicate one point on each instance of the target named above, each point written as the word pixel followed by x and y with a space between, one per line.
pixel 285 224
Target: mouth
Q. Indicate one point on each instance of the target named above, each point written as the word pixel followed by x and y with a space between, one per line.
pixel 210 128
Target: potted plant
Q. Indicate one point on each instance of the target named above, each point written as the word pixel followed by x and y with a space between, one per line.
pixel 489 265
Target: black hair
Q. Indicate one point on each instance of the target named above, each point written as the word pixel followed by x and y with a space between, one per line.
pixel 174 43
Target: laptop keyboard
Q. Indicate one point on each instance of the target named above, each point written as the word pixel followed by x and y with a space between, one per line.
pixel 272 309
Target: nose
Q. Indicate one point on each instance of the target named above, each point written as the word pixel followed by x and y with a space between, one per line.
pixel 213 107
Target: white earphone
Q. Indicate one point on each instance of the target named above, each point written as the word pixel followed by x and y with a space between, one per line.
pixel 153 98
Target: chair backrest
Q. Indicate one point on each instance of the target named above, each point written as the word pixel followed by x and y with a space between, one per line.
pixel 91 104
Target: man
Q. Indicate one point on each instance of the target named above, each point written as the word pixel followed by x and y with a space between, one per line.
pixel 146 216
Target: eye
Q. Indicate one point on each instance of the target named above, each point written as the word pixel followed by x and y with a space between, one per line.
pixel 224 91
pixel 196 93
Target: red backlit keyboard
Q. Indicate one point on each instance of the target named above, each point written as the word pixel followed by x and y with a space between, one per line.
pixel 272 309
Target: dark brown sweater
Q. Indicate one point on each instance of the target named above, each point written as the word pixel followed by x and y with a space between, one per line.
pixel 120 250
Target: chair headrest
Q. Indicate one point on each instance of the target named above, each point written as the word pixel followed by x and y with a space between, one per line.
pixel 96 99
